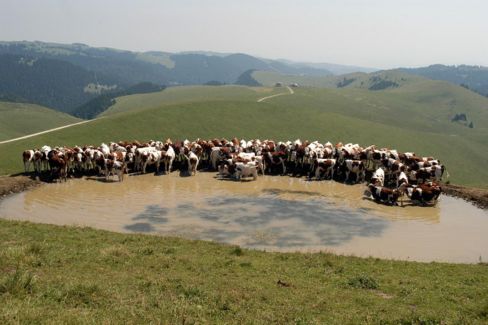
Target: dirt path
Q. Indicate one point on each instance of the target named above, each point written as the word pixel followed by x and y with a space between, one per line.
pixel 290 92
pixel 46 131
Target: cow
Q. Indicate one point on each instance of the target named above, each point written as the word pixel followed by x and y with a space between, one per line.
pixel 58 164
pixel 425 193
pixel 168 156
pixel 115 167
pixel 402 179
pixel 325 168
pixel 246 170
pixel 150 158
pixel 27 158
pixel 385 195
pixel 355 167
pixel 192 163
pixel 378 177
pixel 139 153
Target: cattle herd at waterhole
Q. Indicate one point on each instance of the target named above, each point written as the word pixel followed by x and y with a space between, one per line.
pixel 391 175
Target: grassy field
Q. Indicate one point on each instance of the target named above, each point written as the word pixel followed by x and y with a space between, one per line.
pixel 18 119
pixel 79 275
pixel 187 94
pixel 413 117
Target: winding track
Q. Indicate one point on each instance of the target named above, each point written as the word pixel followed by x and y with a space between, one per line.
pixel 290 92
pixel 46 131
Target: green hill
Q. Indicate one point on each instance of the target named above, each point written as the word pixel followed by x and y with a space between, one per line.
pixel 187 94
pixel 18 119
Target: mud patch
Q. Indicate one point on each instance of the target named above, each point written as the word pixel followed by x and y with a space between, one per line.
pixel 16 184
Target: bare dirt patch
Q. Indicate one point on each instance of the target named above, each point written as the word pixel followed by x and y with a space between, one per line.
pixel 16 184
pixel 477 196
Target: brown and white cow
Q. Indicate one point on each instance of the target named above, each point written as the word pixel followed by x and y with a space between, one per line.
pixel 324 168
pixel 356 167
pixel 27 158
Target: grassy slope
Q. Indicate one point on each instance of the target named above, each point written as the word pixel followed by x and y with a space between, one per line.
pixel 413 117
pixel 72 275
pixel 18 119
pixel 186 94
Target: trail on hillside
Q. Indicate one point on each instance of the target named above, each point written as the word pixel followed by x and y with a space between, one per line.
pixel 45 131
pixel 290 92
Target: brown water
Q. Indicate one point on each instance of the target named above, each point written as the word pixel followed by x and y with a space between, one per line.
pixel 272 213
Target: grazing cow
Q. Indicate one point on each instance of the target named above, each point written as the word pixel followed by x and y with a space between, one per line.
pixel 378 177
pixel 325 168
pixel 192 163
pixel 27 158
pixel 355 167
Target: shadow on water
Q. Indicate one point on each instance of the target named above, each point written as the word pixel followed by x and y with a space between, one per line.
pixel 265 221
pixel 140 227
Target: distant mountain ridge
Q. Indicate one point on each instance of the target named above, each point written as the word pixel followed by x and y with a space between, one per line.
pixel 67 76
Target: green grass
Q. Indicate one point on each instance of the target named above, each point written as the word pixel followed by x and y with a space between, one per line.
pixel 187 94
pixel 413 117
pixel 18 119
pixel 72 275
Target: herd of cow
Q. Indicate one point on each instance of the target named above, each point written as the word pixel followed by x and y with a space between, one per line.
pixel 391 174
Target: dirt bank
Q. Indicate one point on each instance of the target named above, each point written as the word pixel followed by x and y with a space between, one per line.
pixel 18 183
pixel 477 196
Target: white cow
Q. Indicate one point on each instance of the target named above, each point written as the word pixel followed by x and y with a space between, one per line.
pixel 151 158
pixel 246 170
pixel 168 159
pixel 378 177
pixel 192 163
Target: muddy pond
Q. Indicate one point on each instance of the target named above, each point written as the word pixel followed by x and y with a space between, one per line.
pixel 272 214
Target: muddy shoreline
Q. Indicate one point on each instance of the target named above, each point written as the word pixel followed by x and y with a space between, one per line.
pixel 11 184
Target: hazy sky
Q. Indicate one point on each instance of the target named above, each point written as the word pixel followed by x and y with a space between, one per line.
pixel 374 33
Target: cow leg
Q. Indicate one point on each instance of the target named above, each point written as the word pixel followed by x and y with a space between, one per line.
pixel 317 173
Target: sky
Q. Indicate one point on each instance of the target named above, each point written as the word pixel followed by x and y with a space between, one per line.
pixel 370 33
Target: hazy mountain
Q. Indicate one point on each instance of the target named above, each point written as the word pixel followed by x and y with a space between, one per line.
pixel 52 83
pixel 67 76
pixel 336 69
pixel 474 78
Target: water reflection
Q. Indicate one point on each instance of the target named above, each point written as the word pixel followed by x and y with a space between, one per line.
pixel 302 223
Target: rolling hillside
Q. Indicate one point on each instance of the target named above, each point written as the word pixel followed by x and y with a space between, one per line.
pixel 414 116
pixel 19 119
